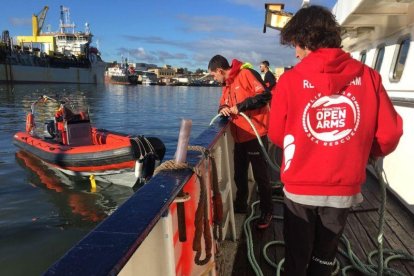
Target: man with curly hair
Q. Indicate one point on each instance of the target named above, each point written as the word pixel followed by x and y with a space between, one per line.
pixel 330 114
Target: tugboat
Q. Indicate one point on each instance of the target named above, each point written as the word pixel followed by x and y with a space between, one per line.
pixel 70 144
pixel 121 74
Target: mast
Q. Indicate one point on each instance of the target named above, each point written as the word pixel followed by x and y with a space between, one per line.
pixel 65 20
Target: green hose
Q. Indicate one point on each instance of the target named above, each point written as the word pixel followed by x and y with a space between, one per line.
pixel 264 150
pixel 214 119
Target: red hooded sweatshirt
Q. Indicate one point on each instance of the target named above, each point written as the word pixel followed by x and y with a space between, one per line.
pixel 241 85
pixel 329 114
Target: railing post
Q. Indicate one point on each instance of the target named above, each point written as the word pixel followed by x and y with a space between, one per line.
pixel 181 157
pixel 229 186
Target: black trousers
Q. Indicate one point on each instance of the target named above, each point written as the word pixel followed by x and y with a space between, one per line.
pixel 244 154
pixel 276 155
pixel 311 236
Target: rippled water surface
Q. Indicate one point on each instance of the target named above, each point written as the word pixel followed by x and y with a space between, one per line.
pixel 43 214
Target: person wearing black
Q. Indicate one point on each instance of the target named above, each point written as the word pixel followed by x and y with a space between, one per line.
pixel 275 153
pixel 269 79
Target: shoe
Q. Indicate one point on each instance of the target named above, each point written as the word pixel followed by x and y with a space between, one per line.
pixel 239 208
pixel 264 221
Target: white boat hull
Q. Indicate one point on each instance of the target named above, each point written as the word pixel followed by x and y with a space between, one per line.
pixel 369 25
pixel 397 166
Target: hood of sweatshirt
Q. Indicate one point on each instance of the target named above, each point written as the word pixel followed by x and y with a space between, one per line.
pixel 236 66
pixel 329 69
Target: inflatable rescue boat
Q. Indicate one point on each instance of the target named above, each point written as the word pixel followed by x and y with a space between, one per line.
pixel 69 143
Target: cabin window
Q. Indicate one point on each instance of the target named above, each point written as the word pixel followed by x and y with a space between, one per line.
pixel 379 58
pixel 363 57
pixel 400 57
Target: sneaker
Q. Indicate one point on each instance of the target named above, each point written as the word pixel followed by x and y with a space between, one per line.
pixel 264 221
pixel 239 208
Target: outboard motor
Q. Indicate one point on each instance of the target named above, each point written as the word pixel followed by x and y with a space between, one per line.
pixel 50 130
pixel 149 165
pixel 149 152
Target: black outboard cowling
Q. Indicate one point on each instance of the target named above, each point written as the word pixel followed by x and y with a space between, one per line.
pixel 50 129
pixel 149 152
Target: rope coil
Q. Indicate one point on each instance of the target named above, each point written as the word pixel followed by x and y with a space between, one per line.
pixel 170 165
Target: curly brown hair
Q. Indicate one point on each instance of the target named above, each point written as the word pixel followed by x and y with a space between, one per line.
pixel 312 27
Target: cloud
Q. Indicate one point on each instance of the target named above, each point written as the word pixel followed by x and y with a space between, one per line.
pixel 141 55
pixel 201 37
pixel 252 3
pixel 192 40
pixel 213 35
pixel 259 4
pixel 246 42
pixel 208 24
pixel 164 55
pixel 292 5
pixel 14 21
pixel 152 40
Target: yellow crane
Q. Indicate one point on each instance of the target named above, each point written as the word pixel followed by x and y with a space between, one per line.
pixel 38 21
pixel 47 41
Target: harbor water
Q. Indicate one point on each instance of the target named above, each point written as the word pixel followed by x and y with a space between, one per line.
pixel 44 213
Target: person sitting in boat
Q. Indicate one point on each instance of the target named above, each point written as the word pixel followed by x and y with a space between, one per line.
pixel 65 114
pixel 329 113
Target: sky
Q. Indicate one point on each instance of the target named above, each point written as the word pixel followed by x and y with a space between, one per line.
pixel 180 33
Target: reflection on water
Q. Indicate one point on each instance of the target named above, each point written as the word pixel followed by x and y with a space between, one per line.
pixel 44 212
pixel 71 194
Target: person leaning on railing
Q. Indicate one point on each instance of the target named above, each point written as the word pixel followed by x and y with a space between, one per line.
pixel 243 91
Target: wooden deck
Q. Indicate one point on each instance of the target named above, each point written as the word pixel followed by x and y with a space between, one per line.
pixel 361 230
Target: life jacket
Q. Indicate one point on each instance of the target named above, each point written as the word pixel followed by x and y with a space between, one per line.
pixel 240 85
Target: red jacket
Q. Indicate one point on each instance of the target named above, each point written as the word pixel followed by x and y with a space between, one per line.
pixel 241 86
pixel 330 113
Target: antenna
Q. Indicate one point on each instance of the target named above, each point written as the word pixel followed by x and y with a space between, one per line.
pixel 87 28
pixel 65 20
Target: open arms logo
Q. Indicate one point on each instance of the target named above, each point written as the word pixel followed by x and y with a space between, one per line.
pixel 331 120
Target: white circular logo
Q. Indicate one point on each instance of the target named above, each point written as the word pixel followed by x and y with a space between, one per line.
pixel 332 120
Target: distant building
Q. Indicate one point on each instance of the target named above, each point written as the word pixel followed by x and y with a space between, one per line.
pixel 181 71
pixel 181 80
pixel 144 66
pixel 165 72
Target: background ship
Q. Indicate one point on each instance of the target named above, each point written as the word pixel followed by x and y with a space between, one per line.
pixel 121 74
pixel 55 57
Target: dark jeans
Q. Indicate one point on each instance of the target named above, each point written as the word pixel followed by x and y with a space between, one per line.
pixel 311 238
pixel 276 156
pixel 250 152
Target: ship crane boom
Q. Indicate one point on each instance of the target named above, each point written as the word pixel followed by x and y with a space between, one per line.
pixel 39 20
